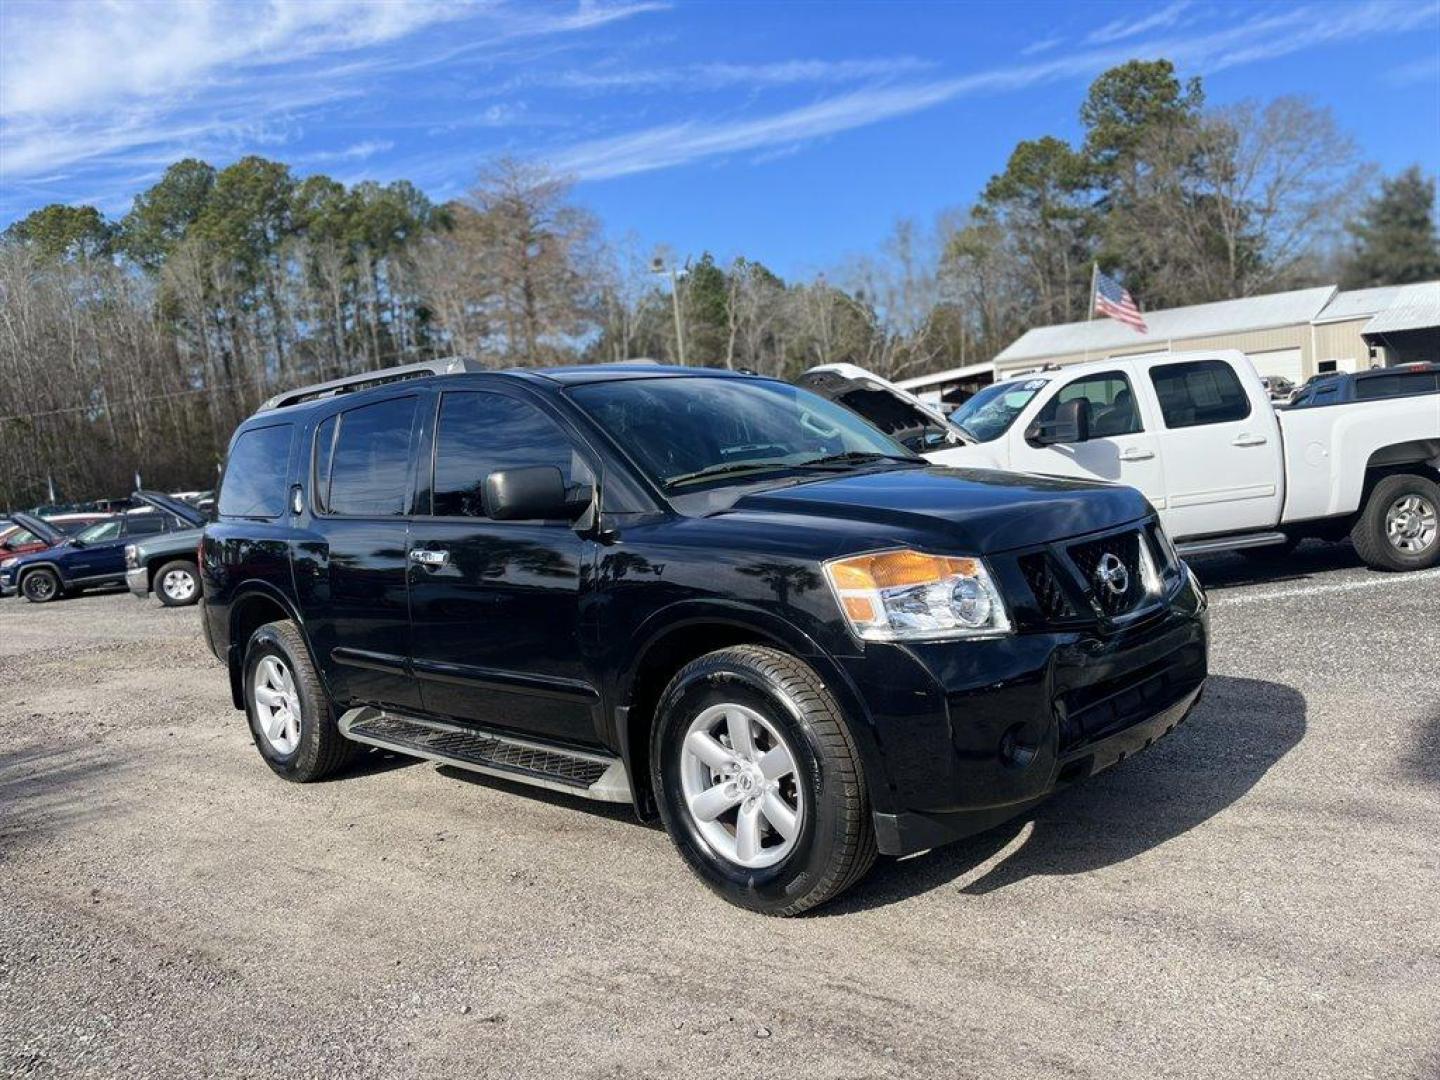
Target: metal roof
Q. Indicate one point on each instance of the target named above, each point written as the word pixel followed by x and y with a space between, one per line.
pixel 1415 307
pixel 1358 303
pixel 1295 308
pixel 919 382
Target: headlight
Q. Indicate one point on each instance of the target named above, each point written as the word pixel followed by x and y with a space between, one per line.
pixel 911 596
pixel 132 556
pixel 5 564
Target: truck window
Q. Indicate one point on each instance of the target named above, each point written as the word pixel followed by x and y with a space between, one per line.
pixel 144 525
pixel 370 463
pixel 1112 405
pixel 989 414
pixel 254 483
pixel 1399 384
pixel 480 432
pixel 1199 392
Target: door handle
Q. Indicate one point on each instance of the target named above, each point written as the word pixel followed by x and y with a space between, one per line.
pixel 429 558
pixel 1136 454
pixel 1246 439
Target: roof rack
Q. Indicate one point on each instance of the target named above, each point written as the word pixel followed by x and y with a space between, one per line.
pixel 366 379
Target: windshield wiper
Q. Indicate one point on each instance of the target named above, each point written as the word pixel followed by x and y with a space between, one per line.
pixel 727 467
pixel 857 457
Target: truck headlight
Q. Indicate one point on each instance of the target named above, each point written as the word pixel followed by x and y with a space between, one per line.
pixel 911 596
pixel 132 556
pixel 5 564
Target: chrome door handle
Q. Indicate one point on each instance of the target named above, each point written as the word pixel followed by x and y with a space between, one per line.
pixel 1137 455
pixel 429 558
pixel 1246 439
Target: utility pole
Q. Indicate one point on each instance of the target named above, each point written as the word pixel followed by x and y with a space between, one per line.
pixel 658 266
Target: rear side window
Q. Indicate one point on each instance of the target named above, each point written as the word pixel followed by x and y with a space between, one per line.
pixel 254 484
pixel 1199 392
pixel 144 525
pixel 369 464
pixel 1396 385
pixel 480 432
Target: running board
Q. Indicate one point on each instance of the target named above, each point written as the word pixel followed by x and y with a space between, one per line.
pixel 593 776
pixel 1230 543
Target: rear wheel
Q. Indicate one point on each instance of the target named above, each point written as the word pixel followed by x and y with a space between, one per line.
pixel 1399 529
pixel 40 586
pixel 177 583
pixel 759 782
pixel 290 716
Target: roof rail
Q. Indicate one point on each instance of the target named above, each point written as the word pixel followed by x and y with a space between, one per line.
pixel 364 380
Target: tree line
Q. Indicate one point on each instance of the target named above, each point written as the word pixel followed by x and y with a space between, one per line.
pixel 137 344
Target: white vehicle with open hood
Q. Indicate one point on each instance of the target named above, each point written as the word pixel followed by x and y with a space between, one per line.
pixel 1197 434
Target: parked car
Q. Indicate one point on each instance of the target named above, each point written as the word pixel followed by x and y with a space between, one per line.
pixel 92 558
pixel 713 595
pixel 1195 432
pixel 1408 380
pixel 165 563
pixel 1277 386
pixel 16 540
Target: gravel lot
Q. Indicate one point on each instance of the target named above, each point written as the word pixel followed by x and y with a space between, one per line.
pixel 1259 895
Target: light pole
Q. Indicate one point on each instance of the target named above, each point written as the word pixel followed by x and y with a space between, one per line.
pixel 658 266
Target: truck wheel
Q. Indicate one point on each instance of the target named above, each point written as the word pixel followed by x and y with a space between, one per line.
pixel 177 583
pixel 41 586
pixel 759 783
pixel 290 716
pixel 1399 529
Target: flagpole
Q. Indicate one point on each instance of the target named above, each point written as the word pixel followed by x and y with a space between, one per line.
pixel 1090 312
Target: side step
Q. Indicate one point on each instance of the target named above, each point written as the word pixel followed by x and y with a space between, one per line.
pixel 594 776
pixel 1229 543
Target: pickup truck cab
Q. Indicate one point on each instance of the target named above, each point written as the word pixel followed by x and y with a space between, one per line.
pixel 165 564
pixel 718 597
pixel 1407 380
pixel 1197 435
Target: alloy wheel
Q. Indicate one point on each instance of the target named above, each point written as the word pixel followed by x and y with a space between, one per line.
pixel 1411 524
pixel 178 585
pixel 277 704
pixel 741 786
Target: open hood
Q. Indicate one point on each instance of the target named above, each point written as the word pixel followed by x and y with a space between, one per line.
pixel 169 505
pixel 901 415
pixel 39 526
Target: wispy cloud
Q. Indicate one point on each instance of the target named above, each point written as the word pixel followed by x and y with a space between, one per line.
pixel 1120 29
pixel 360 151
pixel 1426 69
pixel 721 76
pixel 1044 45
pixel 671 144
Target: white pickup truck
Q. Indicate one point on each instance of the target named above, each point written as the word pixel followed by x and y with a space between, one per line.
pixel 1195 432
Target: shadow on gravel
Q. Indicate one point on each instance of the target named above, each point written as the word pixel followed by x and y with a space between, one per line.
pixel 1220 572
pixel 44 790
pixel 1243 727
pixel 1423 759
pixel 614 811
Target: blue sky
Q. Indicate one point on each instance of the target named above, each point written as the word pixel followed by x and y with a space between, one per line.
pixel 796 133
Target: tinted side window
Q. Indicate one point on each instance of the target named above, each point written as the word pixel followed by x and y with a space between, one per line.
pixel 1199 392
pixel 1112 405
pixel 254 484
pixel 144 525
pixel 324 446
pixel 370 463
pixel 480 432
pixel 1397 385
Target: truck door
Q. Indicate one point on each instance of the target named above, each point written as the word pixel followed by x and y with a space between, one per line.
pixel 1221 446
pixel 1122 447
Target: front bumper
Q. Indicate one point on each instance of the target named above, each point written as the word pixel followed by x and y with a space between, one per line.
pixel 138 581
pixel 970 734
pixel 7 583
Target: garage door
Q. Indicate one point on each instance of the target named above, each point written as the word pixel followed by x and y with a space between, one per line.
pixel 1285 362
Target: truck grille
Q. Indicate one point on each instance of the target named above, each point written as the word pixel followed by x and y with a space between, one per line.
pixel 1109 577
pixel 1044 581
pixel 1110 568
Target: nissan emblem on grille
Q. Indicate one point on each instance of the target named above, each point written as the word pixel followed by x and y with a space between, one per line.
pixel 1110 574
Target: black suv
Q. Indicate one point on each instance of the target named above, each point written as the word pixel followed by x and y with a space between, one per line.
pixel 716 596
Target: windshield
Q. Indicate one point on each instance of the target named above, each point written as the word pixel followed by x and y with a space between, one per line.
pixel 685 430
pixel 101 530
pixel 989 414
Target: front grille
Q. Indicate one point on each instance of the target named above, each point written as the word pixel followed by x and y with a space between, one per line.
pixel 1095 557
pixel 1044 581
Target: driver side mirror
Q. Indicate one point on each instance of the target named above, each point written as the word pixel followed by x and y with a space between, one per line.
pixel 531 493
pixel 1071 425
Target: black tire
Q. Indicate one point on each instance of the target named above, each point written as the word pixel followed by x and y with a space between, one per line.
pixel 178 597
pixel 320 749
pixel 1271 553
pixel 41 585
pixel 1370 533
pixel 835 846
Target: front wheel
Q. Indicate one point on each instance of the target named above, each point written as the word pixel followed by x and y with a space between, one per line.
pixel 1399 529
pixel 759 782
pixel 41 586
pixel 177 583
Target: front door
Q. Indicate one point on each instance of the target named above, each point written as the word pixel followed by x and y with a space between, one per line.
pixel 495 604
pixel 1122 447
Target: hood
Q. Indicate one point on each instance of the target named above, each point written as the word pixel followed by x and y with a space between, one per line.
pixel 973 511
pixel 39 526
pixel 896 412
pixel 168 504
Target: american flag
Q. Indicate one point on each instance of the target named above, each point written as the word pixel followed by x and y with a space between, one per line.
pixel 1112 298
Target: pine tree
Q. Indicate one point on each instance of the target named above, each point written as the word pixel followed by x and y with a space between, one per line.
pixel 1395 237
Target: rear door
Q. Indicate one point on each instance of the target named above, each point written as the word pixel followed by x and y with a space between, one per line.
pixel 496 604
pixel 1122 447
pixel 350 557
pixel 1223 460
